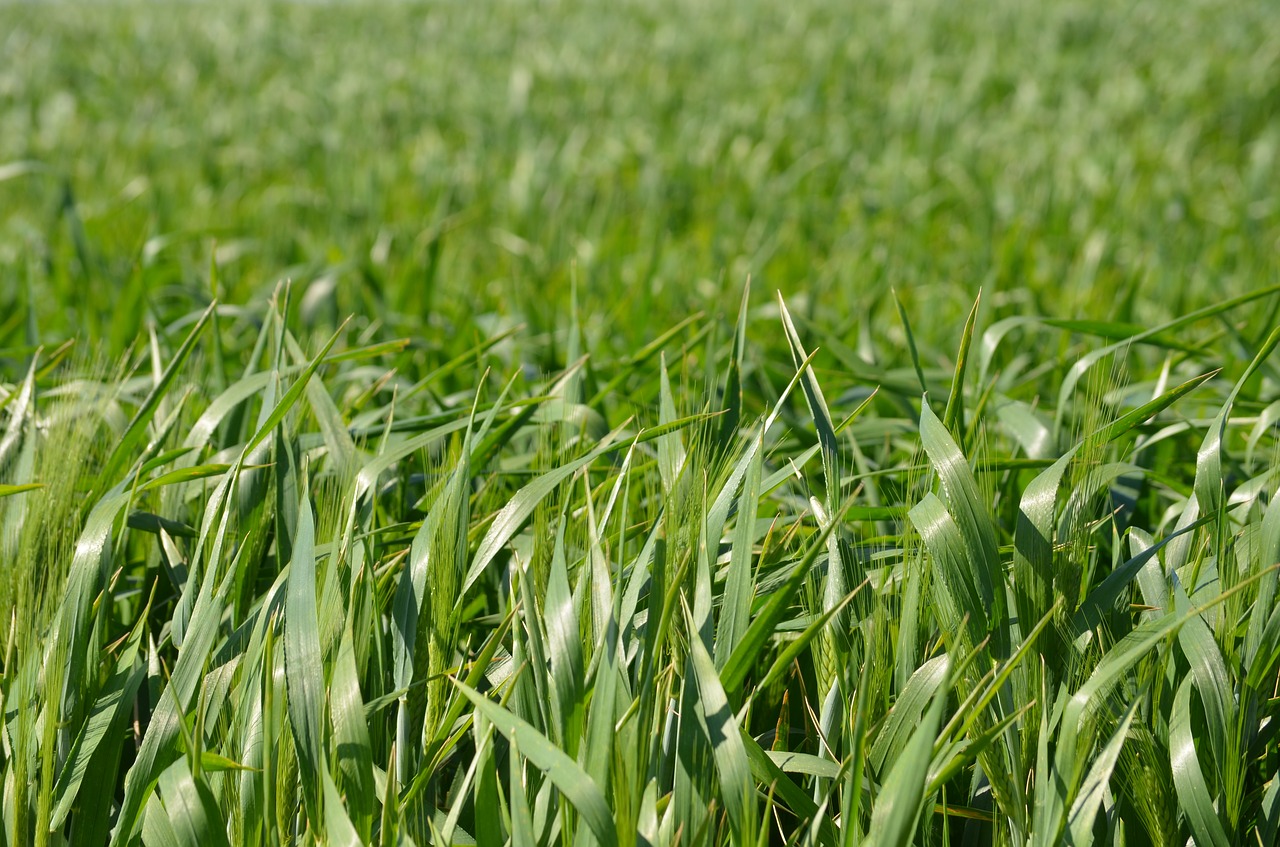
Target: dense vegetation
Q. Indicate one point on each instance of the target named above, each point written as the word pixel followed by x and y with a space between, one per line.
pixel 393 449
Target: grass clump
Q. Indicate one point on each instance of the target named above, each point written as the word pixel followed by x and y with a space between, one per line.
pixel 516 518
pixel 422 621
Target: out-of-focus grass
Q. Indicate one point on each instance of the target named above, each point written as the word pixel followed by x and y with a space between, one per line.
pixel 453 159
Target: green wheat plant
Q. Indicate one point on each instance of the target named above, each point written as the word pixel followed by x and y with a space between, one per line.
pixel 290 610
pixel 697 422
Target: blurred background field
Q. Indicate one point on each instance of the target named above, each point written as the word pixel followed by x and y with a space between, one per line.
pixel 447 160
